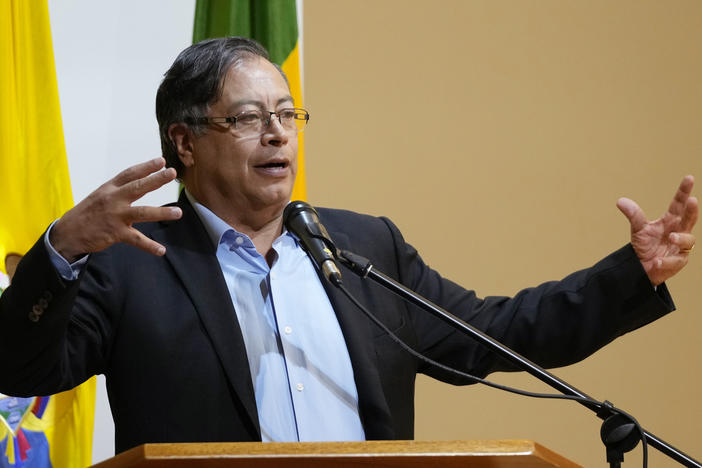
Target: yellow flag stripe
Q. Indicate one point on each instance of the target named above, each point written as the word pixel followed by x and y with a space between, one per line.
pixel 291 68
pixel 36 187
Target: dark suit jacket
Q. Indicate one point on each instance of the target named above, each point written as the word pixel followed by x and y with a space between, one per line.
pixel 164 332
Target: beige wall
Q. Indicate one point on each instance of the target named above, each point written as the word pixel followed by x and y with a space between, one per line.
pixel 498 135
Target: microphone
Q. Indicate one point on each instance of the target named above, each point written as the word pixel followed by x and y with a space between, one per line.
pixel 302 220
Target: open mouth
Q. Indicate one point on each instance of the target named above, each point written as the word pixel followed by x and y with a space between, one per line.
pixel 277 168
pixel 273 165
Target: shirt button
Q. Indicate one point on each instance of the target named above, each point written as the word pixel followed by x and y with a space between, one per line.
pixel 239 240
pixel 300 387
pixel 273 275
pixel 288 330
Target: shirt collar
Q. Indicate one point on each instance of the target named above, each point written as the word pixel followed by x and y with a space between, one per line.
pixel 215 226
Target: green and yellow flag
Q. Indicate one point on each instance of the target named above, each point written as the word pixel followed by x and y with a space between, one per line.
pixel 56 430
pixel 273 23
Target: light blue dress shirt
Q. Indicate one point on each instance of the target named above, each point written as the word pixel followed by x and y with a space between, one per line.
pixel 300 366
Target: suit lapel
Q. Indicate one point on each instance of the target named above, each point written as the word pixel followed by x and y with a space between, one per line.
pixel 375 413
pixel 192 255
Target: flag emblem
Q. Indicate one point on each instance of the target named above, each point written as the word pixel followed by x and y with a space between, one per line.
pixel 20 446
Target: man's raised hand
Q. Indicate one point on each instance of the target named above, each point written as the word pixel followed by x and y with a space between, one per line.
pixel 664 245
pixel 106 216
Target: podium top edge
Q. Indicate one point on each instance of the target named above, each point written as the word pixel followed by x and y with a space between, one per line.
pixel 367 453
pixel 413 447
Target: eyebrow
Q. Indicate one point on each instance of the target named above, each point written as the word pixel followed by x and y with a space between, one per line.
pixel 260 104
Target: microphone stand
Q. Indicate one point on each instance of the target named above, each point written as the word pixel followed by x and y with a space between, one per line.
pixel 618 432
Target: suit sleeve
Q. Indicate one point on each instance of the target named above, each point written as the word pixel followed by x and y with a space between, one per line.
pixel 554 324
pixel 46 348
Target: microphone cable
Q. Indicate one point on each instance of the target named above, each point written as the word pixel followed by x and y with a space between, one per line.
pixel 472 378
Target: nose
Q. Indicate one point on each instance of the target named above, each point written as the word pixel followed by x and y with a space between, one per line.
pixel 275 134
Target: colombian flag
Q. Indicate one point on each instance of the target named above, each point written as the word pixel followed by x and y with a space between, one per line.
pixel 273 23
pixel 54 430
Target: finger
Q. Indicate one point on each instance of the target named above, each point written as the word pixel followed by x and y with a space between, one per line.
pixel 677 206
pixel 138 214
pixel 631 210
pixel 683 240
pixel 670 265
pixel 138 171
pixel 138 188
pixel 689 218
pixel 663 268
pixel 139 240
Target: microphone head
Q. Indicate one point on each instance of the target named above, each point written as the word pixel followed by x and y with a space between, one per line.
pixel 293 209
pixel 302 221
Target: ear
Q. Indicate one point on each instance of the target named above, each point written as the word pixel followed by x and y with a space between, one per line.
pixel 182 137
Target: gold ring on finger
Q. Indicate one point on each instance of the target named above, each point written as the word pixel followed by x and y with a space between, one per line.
pixel 687 251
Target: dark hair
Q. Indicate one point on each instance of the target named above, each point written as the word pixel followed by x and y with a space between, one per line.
pixel 194 82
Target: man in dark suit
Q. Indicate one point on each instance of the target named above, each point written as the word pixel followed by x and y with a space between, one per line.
pixel 209 320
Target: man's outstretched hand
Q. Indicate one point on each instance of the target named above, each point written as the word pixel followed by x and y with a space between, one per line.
pixel 664 245
pixel 105 217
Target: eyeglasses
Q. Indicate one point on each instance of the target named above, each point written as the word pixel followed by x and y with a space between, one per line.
pixel 255 122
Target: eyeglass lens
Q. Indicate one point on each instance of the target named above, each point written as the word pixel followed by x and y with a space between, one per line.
pixel 252 122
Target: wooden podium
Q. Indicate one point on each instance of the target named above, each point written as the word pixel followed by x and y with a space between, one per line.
pixel 382 454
